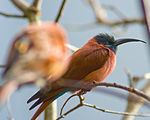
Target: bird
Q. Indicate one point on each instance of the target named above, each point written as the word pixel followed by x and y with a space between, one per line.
pixel 91 63
pixel 38 55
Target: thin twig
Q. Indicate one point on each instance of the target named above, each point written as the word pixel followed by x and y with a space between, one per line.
pixel 124 21
pixel 69 111
pixel 105 23
pixel 66 103
pixel 116 112
pixel 60 11
pixel 11 15
pixel 95 107
pixel 74 108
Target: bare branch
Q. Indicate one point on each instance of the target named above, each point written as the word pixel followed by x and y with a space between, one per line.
pixel 74 108
pixel 99 11
pixel 132 106
pixel 37 4
pixel 105 23
pixel 93 106
pixel 132 90
pixel 60 11
pixel 21 4
pixel 102 19
pixel 71 47
pixel 32 13
pixel 86 86
pixel 10 15
pixel 115 112
pixel 124 22
pixel 66 103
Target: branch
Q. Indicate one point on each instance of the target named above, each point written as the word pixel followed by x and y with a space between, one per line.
pixel 102 19
pixel 51 111
pixel 132 90
pixel 71 47
pixel 32 13
pixel 124 22
pixel 132 106
pixel 116 112
pixel 10 15
pixel 37 4
pixel 105 23
pixel 86 86
pixel 92 106
pixel 99 11
pixel 60 11
pixel 21 4
pixel 74 108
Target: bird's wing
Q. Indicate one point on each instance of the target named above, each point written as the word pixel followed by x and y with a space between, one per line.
pixel 86 61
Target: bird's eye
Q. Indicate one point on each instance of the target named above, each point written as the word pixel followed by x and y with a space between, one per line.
pixel 22 45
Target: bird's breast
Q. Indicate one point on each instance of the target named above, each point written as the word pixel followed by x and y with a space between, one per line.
pixel 100 74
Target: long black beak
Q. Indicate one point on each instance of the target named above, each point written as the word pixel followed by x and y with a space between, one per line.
pixel 125 40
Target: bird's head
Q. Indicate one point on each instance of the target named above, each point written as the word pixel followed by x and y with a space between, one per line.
pixel 110 42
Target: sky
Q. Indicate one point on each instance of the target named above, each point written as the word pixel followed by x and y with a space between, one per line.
pixel 133 56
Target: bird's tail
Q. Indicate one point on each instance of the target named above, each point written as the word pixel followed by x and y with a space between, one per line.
pixel 45 99
pixel 6 90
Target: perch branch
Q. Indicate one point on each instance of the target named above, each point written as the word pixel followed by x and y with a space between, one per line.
pixel 132 90
pixel 94 107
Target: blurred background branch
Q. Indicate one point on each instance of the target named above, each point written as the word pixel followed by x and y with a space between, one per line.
pixel 132 106
pixel 100 12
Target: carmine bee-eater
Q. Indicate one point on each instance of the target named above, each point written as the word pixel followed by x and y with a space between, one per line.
pixel 37 54
pixel 93 62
